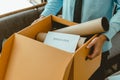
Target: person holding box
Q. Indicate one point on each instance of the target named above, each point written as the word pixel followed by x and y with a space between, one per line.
pixel 84 10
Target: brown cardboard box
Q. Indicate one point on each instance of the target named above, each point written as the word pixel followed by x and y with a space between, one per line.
pixel 24 58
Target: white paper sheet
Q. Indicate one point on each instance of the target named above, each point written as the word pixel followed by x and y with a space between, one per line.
pixel 66 42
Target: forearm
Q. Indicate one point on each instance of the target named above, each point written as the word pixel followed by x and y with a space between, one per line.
pixel 52 7
pixel 114 23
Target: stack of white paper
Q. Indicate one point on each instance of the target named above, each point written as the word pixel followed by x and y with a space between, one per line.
pixel 66 42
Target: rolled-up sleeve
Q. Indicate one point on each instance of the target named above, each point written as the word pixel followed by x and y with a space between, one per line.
pixel 52 7
pixel 114 23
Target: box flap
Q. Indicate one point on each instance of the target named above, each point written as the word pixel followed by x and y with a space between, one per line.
pixel 63 21
pixel 4 57
pixel 32 60
pixel 83 68
pixel 42 26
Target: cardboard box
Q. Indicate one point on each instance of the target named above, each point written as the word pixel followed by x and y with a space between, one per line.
pixel 24 58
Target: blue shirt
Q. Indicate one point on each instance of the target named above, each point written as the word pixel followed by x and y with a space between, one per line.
pixel 91 9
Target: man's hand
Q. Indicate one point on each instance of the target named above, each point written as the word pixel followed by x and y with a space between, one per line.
pixel 97 43
pixel 37 20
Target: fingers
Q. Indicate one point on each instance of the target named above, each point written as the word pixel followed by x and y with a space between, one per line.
pixel 37 20
pixel 97 48
pixel 96 52
pixel 34 22
pixel 97 43
pixel 92 43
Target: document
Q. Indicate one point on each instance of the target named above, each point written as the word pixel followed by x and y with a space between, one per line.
pixel 63 41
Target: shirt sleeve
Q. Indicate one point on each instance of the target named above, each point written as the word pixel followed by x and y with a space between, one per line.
pixel 52 7
pixel 114 23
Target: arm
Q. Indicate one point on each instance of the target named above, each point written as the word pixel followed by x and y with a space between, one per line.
pixel 52 7
pixel 114 23
pixel 114 28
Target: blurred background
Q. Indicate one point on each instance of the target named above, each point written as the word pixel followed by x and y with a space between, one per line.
pixel 7 6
